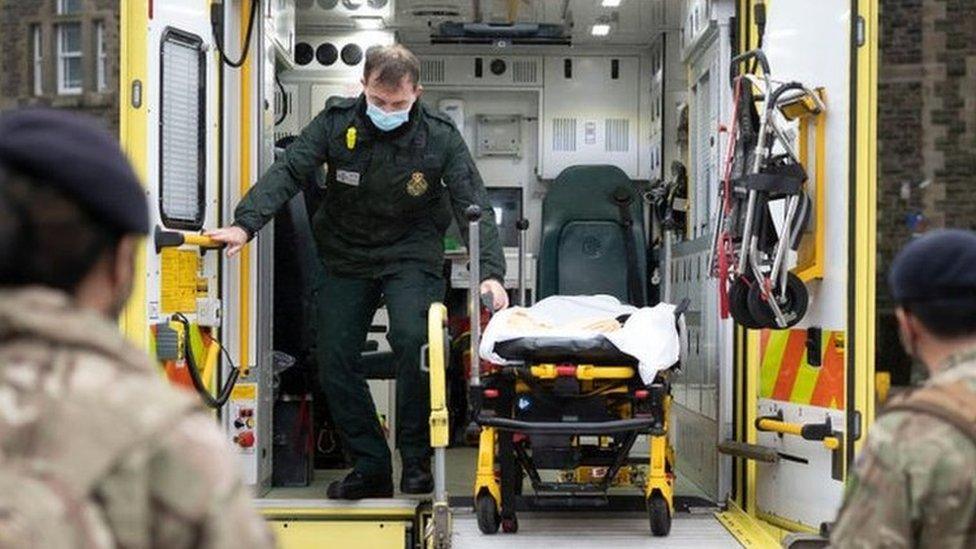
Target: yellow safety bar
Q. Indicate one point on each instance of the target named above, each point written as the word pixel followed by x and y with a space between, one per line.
pixel 784 428
pixel 586 372
pixel 174 239
pixel 436 318
pixel 438 534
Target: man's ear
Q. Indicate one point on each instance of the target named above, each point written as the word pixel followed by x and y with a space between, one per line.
pixel 419 91
pixel 123 269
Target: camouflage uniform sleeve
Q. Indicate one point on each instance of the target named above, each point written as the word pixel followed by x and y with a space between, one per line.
pixel 196 493
pixel 911 484
pixel 466 188
pixel 285 178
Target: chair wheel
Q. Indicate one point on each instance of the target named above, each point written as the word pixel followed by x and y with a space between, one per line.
pixel 739 303
pixel 793 305
pixel 487 512
pixel 659 514
pixel 510 524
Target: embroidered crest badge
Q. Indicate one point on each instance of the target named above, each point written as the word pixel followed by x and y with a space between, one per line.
pixel 417 184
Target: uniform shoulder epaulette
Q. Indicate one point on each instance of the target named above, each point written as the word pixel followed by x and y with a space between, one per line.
pixel 437 115
pixel 340 103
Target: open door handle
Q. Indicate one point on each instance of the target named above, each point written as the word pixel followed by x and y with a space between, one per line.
pixel 174 239
pixel 822 432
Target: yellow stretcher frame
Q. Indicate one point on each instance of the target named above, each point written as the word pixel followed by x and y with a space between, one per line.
pixel 661 464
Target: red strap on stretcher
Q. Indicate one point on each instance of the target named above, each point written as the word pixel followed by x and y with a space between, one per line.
pixel 724 240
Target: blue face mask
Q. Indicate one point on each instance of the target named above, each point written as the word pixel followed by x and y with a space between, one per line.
pixel 387 121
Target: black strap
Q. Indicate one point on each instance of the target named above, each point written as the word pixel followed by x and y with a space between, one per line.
pixel 623 198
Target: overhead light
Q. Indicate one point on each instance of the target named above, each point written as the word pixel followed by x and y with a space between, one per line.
pixel 611 3
pixel 368 22
pixel 600 29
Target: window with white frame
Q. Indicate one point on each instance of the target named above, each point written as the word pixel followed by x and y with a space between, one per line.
pixel 38 55
pixel 69 6
pixel 182 134
pixel 70 72
pixel 101 58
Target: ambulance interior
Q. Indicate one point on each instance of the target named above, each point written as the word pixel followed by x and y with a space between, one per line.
pixel 514 90
pixel 536 87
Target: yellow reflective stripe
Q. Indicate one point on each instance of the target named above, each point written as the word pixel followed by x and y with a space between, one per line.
pixel 807 376
pixel 771 361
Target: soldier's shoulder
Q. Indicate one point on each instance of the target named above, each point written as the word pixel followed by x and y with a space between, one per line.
pixel 194 454
pixel 907 439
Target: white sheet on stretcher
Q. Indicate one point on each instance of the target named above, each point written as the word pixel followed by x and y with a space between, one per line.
pixel 649 335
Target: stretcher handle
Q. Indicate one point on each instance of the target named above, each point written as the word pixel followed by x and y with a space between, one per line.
pixel 775 95
pixel 174 239
pixel 522 225
pixel 756 54
pixel 473 215
pixel 822 432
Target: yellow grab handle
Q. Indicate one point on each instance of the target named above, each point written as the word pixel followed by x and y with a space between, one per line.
pixel 439 432
pixel 784 428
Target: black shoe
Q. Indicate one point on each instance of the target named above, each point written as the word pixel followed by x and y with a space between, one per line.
pixel 358 486
pixel 416 477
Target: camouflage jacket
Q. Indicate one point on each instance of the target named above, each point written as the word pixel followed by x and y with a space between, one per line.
pixel 914 483
pixel 71 388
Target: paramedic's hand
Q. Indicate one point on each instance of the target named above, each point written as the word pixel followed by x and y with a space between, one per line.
pixel 234 237
pixel 499 296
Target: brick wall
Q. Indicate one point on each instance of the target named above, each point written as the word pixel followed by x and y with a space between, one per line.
pixel 926 134
pixel 16 57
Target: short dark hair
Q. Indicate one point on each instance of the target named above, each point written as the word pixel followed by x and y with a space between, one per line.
pixel 945 318
pixel 390 64
pixel 47 239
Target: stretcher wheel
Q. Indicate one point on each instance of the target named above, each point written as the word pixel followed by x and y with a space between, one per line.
pixel 487 511
pixel 793 305
pixel 739 303
pixel 510 524
pixel 660 515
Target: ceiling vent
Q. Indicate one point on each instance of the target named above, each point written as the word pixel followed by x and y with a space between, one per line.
pixel 518 34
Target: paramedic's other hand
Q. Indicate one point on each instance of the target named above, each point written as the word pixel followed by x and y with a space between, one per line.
pixel 499 297
pixel 234 237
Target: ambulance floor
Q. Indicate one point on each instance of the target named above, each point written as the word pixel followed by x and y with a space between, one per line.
pixel 596 530
pixel 460 481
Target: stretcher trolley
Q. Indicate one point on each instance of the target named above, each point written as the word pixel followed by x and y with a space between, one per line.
pixel 565 413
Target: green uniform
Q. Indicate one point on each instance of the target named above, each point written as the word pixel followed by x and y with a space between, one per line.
pixel 379 232
pixel 914 484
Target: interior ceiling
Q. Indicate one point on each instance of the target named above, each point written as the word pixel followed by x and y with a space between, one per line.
pixel 634 22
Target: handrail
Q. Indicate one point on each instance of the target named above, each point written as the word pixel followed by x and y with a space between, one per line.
pixel 174 239
pixel 810 431
pixel 439 533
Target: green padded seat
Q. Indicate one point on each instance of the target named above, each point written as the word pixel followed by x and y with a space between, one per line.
pixel 583 248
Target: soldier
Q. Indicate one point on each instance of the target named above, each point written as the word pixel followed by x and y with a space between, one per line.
pixel 396 169
pixel 93 442
pixel 914 484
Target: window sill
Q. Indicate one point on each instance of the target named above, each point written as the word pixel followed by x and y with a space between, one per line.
pixel 83 100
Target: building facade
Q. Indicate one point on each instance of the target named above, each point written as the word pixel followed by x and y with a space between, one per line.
pixel 61 53
pixel 926 137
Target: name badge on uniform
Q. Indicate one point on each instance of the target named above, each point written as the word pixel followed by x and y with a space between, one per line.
pixel 349 178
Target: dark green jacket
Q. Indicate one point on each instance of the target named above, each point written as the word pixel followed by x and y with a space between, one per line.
pixel 388 197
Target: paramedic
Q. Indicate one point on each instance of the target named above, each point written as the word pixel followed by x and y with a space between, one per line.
pixel 396 170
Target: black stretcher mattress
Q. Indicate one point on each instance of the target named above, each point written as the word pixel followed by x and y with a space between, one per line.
pixel 591 350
